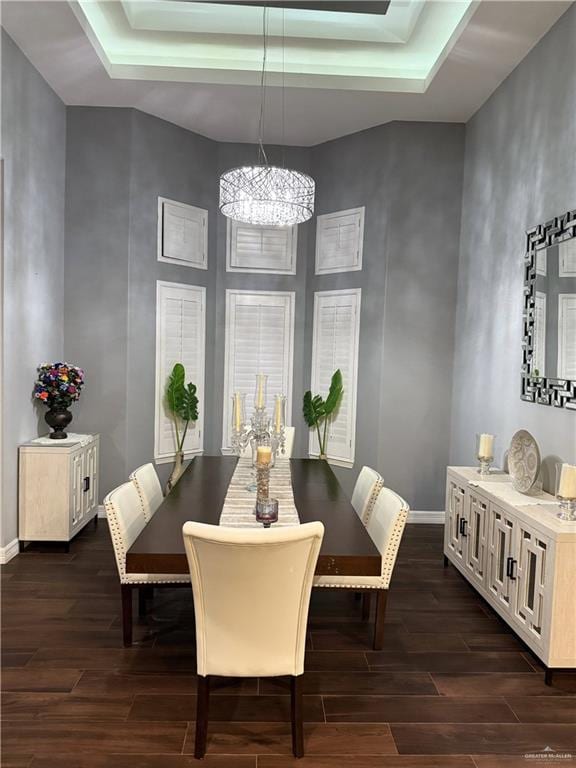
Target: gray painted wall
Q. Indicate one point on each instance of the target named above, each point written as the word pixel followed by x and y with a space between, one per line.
pixel 96 277
pixel 166 161
pixel 409 176
pixel 33 148
pixel 519 171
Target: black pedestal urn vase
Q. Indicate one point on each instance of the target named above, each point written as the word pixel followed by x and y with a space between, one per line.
pixel 58 419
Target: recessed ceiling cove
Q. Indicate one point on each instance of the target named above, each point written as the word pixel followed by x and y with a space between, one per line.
pixel 310 45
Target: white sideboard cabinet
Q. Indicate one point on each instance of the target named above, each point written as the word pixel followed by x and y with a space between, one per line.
pixel 519 556
pixel 58 487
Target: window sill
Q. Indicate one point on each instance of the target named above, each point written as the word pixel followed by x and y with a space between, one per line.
pixel 170 459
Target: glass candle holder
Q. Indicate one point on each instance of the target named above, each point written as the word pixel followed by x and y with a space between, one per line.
pixel 238 412
pixel 262 483
pixel 566 491
pixel 267 512
pixel 485 452
pixel 260 393
pixel 263 452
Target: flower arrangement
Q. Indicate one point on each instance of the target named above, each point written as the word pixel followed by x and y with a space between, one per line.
pixel 58 384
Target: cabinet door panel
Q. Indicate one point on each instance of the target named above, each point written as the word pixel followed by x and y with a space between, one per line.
pixel 477 532
pixel 500 556
pixel 531 557
pixel 77 493
pixel 455 541
pixel 90 487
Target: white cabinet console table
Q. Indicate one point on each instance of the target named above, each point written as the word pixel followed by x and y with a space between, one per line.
pixel 58 490
pixel 519 556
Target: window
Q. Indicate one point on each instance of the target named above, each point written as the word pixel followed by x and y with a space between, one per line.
pixel 339 241
pixel 180 322
pixel 539 353
pixel 182 234
pixel 567 336
pixel 250 248
pixel 259 339
pixel 335 345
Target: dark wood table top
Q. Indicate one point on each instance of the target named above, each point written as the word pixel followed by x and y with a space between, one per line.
pixel 347 548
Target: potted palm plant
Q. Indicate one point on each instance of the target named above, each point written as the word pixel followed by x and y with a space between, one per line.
pixel 182 404
pixel 318 411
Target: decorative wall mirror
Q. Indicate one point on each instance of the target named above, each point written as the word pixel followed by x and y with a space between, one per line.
pixel 549 313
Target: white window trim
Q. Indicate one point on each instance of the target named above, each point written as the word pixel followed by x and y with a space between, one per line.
pixel 231 226
pixel 159 457
pixel 203 264
pixel 357 267
pixel 288 360
pixel 563 298
pixel 313 442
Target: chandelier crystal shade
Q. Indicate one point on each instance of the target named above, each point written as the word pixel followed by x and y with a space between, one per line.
pixel 267 195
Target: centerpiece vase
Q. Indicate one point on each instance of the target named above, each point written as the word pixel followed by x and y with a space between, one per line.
pixel 58 417
pixel 177 471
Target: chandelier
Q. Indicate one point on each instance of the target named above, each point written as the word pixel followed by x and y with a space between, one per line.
pixel 263 194
pixel 267 195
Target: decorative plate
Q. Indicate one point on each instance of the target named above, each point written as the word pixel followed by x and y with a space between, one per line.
pixel 524 461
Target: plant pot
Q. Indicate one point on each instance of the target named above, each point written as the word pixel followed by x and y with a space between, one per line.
pixel 323 457
pixel 58 419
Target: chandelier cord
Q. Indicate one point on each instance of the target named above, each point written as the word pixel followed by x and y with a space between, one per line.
pixel 283 87
pixel 261 150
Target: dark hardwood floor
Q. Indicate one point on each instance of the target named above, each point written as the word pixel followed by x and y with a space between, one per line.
pixel 452 688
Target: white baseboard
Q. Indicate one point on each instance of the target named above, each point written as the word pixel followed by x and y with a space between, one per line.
pixel 101 511
pixel 430 518
pixel 9 551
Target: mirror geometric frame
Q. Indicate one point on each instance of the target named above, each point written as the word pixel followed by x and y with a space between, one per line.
pixel 561 393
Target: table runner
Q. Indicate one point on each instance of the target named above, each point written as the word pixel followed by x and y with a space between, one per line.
pixel 238 509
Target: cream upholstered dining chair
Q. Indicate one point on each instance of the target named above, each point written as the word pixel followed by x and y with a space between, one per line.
pixel 145 478
pixel 366 490
pixel 251 595
pixel 385 526
pixel 125 521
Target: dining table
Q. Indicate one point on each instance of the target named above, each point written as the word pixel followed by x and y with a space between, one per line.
pixel 200 494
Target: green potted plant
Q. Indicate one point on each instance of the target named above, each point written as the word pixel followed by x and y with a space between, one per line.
pixel 182 404
pixel 318 411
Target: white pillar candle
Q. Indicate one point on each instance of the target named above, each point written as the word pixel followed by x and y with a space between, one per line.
pixel 486 446
pixel 237 409
pixel 567 483
pixel 278 413
pixel 260 391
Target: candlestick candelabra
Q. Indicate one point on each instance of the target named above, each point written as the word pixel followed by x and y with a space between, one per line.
pixel 260 430
pixel 566 492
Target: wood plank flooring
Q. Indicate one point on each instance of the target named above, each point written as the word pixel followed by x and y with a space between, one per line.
pixel 453 687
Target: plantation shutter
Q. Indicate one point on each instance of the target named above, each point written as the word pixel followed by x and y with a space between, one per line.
pixel 335 345
pixel 339 241
pixel 539 353
pixel 182 234
pixel 180 322
pixel 261 249
pixel 567 336
pixel 259 339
